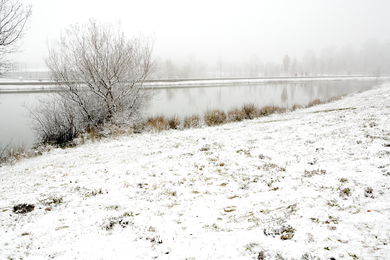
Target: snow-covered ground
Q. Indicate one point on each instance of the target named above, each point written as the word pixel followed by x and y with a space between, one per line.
pixel 314 183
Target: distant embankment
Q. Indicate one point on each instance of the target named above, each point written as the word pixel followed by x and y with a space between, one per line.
pixel 11 86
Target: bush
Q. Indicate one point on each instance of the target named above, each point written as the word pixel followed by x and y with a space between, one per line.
pixel 236 115
pixel 56 123
pixel 158 123
pixel 100 75
pixel 173 122
pixel 192 121
pixel 250 111
pixel 215 117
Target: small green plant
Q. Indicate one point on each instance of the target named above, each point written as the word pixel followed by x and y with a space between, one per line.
pixel 215 117
pixel 192 121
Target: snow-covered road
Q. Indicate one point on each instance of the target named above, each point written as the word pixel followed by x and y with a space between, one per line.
pixel 313 183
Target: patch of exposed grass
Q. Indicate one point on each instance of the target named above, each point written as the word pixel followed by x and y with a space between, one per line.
pixel 345 192
pixel 314 172
pixel 52 200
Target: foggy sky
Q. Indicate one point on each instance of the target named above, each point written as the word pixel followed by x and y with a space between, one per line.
pixel 218 29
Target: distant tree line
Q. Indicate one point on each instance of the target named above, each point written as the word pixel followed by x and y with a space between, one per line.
pixel 373 58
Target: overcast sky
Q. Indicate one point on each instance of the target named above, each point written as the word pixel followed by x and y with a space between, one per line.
pixel 209 29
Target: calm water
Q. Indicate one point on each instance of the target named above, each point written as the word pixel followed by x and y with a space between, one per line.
pixel 15 122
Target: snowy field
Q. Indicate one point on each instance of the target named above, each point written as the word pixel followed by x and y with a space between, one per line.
pixel 309 184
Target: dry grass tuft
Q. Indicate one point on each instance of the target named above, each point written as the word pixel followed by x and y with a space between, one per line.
pixel 250 111
pixel 192 121
pixel 236 115
pixel 214 117
pixel 314 103
pixel 158 123
pixel 268 110
pixel 174 122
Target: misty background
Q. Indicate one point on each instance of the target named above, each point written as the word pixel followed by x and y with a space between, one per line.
pixel 194 39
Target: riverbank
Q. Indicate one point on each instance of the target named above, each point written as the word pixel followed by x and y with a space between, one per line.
pixel 305 184
pixel 31 86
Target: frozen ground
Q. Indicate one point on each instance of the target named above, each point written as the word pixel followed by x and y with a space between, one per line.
pixel 309 184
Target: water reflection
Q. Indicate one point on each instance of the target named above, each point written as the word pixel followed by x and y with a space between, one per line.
pixel 196 100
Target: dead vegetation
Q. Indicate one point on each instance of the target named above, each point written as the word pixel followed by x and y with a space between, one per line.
pixel 192 121
pixel 158 123
pixel 214 117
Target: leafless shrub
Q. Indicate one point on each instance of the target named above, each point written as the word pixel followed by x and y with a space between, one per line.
pixel 100 74
pixel 192 121
pixel 215 117
pixel 236 115
pixel 158 123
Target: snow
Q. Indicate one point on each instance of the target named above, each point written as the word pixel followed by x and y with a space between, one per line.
pixel 226 192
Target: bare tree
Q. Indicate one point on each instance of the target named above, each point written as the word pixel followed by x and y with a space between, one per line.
pixel 13 18
pixel 101 72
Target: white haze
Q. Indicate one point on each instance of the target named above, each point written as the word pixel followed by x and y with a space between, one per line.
pixel 211 31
